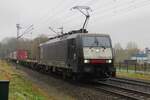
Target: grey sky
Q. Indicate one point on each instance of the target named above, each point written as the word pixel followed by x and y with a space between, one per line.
pixel 124 20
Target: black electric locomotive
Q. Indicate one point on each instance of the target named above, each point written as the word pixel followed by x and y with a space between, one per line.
pixel 79 55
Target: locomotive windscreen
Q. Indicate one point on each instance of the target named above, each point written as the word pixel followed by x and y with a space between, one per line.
pixel 97 47
pixel 94 41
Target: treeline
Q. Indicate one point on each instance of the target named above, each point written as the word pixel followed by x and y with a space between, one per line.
pixel 11 44
pixel 8 45
pixel 122 54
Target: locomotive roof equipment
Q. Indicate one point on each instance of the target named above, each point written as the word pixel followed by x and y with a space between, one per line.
pixel 85 11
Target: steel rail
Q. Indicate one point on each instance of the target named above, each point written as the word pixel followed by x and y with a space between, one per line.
pixel 117 93
pixel 125 92
pixel 131 81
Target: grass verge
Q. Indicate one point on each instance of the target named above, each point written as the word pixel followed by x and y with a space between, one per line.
pixel 133 75
pixel 20 88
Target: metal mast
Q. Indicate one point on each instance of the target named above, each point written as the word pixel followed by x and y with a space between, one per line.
pixel 29 29
pixel 85 11
pixel 18 30
pixel 61 30
pixel 17 44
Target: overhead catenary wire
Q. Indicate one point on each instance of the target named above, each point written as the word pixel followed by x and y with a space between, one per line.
pixel 70 17
pixel 49 15
pixel 28 30
pixel 56 12
pixel 119 13
pixel 68 20
pixel 53 30
pixel 37 27
pixel 62 13
pixel 121 9
pixel 110 13
pixel 98 13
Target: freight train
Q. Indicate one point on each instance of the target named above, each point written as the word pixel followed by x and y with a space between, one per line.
pixel 19 54
pixel 76 54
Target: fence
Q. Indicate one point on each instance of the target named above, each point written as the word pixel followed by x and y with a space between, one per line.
pixel 136 68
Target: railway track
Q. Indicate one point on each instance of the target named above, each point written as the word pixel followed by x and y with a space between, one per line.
pixel 125 93
pixel 110 87
pixel 129 83
pixel 132 81
pixel 125 90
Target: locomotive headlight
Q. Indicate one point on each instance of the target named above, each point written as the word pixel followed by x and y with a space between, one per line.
pixel 109 61
pixel 97 50
pixel 86 61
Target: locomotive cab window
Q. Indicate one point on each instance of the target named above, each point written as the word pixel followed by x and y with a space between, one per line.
pixel 97 47
pixel 94 41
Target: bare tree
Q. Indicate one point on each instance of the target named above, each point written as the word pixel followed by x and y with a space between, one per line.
pixel 35 46
pixel 10 44
pixel 131 49
pixel 119 52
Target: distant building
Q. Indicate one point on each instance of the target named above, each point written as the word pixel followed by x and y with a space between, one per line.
pixel 147 51
pixel 142 57
pixel 129 61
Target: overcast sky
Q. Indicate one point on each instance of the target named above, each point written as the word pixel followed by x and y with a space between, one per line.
pixel 124 20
